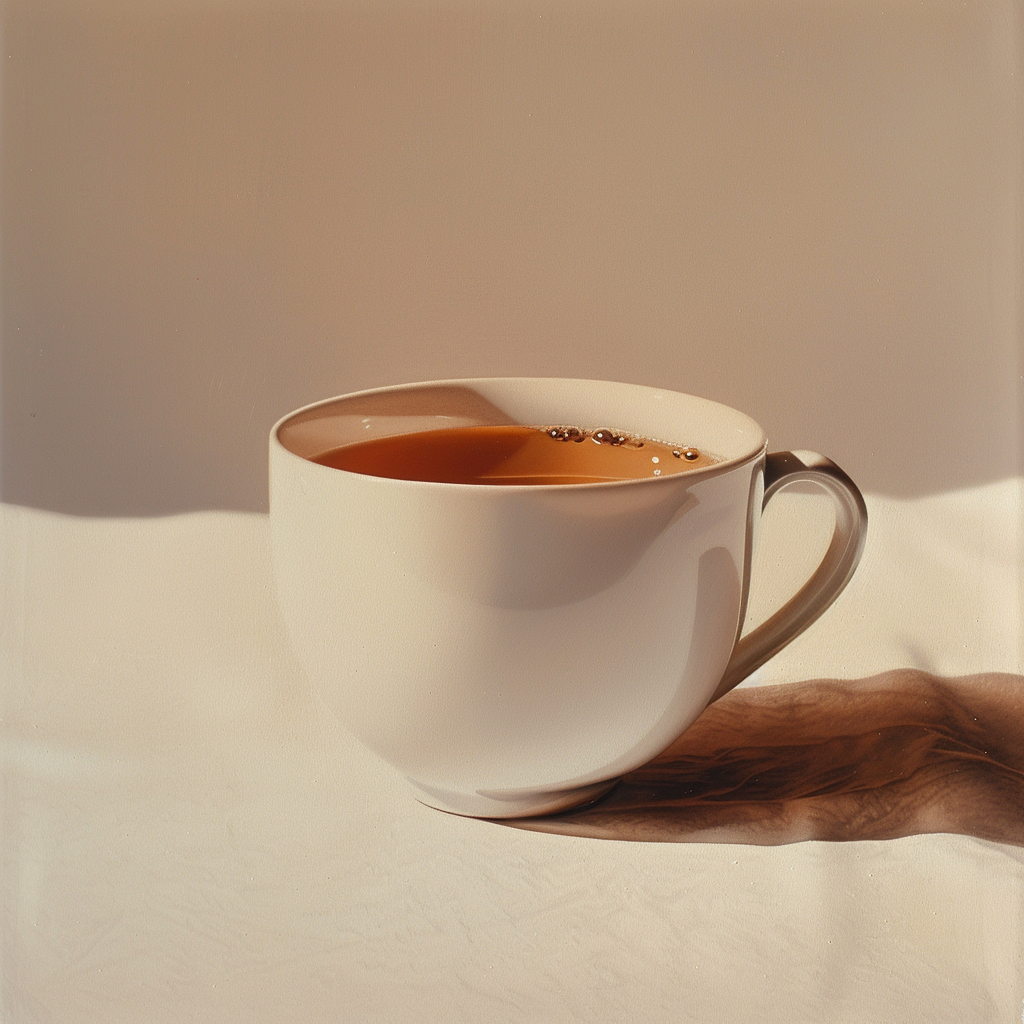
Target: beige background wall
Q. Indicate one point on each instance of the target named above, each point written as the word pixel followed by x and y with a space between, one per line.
pixel 214 212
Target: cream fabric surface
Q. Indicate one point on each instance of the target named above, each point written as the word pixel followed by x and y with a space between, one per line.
pixel 188 836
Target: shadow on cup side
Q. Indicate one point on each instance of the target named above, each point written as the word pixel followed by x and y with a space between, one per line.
pixel 897 754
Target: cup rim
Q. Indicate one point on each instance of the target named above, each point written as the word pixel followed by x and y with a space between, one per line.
pixel 716 469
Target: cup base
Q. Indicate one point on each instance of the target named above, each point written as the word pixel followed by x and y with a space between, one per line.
pixel 513 804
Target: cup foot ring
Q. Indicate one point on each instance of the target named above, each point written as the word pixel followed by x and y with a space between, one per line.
pixel 512 803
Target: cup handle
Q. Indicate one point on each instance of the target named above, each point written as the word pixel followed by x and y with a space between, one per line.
pixel 826 582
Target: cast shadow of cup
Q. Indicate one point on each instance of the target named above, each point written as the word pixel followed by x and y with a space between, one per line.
pixel 897 754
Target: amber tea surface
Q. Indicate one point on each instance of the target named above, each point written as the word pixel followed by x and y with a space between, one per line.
pixel 516 455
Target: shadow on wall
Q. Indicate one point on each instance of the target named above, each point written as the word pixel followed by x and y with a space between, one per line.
pixel 214 214
pixel 898 754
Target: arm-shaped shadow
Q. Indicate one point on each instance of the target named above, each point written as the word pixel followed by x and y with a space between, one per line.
pixel 897 754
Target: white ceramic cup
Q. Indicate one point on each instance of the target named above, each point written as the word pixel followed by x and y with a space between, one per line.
pixel 513 650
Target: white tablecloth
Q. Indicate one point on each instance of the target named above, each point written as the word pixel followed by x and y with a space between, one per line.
pixel 188 836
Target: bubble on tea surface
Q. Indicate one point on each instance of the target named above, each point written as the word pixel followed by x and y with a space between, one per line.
pixel 690 454
pixel 566 433
pixel 615 438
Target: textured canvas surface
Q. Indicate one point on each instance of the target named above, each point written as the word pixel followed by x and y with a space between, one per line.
pixel 188 835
